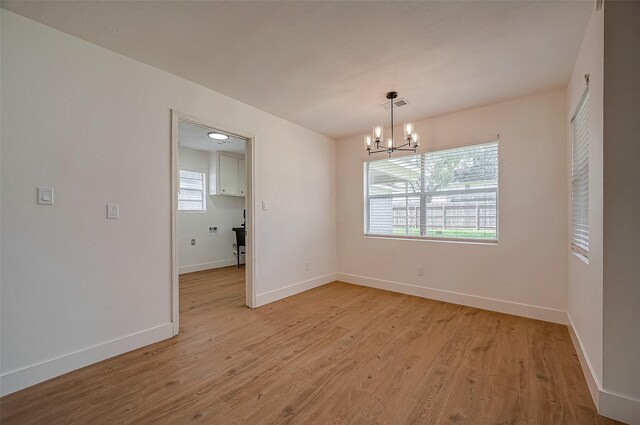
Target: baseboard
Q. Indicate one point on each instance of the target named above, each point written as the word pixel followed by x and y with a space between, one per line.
pixel 296 288
pixel 619 407
pixel 206 266
pixel 608 403
pixel 501 306
pixel 587 369
pixel 16 380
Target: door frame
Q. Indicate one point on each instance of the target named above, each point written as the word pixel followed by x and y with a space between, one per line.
pixel 250 300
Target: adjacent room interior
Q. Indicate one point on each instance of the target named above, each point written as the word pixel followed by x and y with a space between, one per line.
pixel 318 220
pixel 211 224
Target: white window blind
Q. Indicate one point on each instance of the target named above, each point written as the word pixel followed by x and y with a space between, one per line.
pixel 580 177
pixel 446 194
pixel 192 191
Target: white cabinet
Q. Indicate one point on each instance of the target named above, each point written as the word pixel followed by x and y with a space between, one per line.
pixel 242 178
pixel 226 174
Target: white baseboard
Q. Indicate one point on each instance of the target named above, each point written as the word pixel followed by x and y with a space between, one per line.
pixel 587 369
pixel 619 407
pixel 608 403
pixel 16 380
pixel 501 306
pixel 296 288
pixel 206 266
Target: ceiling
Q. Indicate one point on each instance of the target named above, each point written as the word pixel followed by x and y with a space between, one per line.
pixel 328 65
pixel 195 137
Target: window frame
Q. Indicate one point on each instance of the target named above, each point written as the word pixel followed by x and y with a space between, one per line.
pixel 480 241
pixel 204 190
pixel 584 101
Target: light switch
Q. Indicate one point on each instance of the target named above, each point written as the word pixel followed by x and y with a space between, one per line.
pixel 113 211
pixel 45 195
pixel 264 205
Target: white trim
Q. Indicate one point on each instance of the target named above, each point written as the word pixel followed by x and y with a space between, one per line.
pixel 207 266
pixel 174 185
pixel 24 377
pixel 619 407
pixel 587 369
pixel 608 403
pixel 501 306
pixel 296 288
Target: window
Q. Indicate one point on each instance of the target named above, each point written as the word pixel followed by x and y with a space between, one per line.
pixel 446 194
pixel 580 177
pixel 192 191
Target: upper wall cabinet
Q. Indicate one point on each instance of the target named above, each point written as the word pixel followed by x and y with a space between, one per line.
pixel 242 177
pixel 226 174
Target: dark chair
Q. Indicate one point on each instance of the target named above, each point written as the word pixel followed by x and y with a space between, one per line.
pixel 240 234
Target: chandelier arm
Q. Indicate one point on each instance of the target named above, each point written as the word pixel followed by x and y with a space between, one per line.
pixel 378 151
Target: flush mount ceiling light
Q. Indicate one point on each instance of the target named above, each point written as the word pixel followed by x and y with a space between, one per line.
pixel 410 139
pixel 218 136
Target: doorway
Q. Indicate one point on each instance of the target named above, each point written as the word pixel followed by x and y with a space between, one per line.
pixel 211 203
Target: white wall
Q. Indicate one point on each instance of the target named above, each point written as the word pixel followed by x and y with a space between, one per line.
pixel 621 263
pixel 95 125
pixel 584 296
pixel 526 272
pixel 224 212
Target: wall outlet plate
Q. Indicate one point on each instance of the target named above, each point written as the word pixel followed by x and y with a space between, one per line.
pixel 113 211
pixel 420 271
pixel 45 195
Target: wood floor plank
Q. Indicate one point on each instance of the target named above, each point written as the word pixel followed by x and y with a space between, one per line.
pixel 337 354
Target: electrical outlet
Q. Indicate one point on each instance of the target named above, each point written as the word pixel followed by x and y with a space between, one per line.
pixel 420 271
pixel 307 266
pixel 113 211
pixel 45 196
pixel 193 241
pixel 213 230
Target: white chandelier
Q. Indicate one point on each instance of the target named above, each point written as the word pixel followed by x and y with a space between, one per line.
pixel 411 138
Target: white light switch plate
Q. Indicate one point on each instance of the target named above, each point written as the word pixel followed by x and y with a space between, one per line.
pixel 113 211
pixel 264 205
pixel 45 196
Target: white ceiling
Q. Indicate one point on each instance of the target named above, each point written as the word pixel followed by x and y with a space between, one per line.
pixel 328 65
pixel 195 137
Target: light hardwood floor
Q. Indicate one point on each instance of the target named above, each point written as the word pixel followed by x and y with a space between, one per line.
pixel 338 354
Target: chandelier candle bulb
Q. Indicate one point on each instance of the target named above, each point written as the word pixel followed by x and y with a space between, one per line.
pixel 408 130
pixel 415 140
pixel 368 141
pixel 389 143
pixel 377 132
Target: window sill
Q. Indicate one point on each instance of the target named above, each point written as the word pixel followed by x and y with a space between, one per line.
pixel 431 239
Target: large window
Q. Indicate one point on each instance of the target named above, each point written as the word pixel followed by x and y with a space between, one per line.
pixel 192 193
pixel 446 194
pixel 580 177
